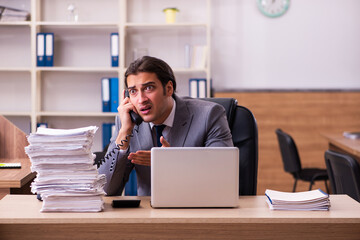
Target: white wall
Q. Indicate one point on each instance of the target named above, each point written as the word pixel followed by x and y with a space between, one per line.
pixel 315 45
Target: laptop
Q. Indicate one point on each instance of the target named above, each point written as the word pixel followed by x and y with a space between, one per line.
pixel 194 177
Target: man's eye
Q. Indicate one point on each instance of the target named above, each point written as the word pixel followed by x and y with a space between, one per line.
pixel 149 88
pixel 132 91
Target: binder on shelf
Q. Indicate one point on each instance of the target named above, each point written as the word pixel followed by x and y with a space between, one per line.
pixel 106 133
pixel 114 46
pixel 40 49
pixel 43 125
pixel 202 88
pixel 198 58
pixel 131 185
pixel 197 88
pixel 105 94
pixel 49 49
pixel 114 94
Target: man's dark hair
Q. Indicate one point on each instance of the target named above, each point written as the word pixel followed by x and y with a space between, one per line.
pixel 152 65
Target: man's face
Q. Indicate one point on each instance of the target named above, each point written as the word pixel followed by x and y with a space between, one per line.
pixel 148 96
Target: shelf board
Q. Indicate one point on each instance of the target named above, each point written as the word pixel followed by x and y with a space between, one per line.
pixel 189 70
pixel 77 69
pixel 78 24
pixel 15 69
pixel 16 114
pixel 77 114
pixel 164 25
pixel 17 23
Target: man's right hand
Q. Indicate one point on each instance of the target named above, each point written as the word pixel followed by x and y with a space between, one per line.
pixel 126 124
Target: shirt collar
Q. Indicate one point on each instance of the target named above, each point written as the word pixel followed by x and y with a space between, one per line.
pixel 169 121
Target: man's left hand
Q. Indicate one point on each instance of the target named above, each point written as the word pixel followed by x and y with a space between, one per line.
pixel 144 157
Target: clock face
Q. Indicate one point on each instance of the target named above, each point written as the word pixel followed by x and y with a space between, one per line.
pixel 273 8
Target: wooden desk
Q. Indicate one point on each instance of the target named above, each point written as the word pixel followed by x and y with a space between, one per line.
pixel 338 143
pixel 20 218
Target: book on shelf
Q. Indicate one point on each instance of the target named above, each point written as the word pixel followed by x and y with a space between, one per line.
pixel 8 14
pixel 197 88
pixel 352 135
pixel 315 200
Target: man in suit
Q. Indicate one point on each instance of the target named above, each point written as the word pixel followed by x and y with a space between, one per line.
pixel 186 123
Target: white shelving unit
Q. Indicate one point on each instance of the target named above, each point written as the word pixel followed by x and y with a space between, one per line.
pixel 68 94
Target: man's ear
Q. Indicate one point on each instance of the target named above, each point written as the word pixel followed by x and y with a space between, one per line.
pixel 169 88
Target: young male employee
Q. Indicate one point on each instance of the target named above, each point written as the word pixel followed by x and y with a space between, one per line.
pixel 185 122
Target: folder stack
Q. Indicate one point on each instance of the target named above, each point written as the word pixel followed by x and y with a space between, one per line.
pixel 315 200
pixel 67 180
pixel 45 49
pixel 197 88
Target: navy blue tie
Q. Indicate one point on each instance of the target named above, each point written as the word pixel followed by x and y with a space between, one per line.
pixel 159 129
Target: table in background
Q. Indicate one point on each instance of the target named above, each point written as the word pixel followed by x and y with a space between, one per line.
pixel 20 218
pixel 339 143
pixel 12 144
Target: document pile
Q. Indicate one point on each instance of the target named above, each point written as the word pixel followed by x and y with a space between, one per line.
pixel 314 200
pixel 66 178
pixel 11 14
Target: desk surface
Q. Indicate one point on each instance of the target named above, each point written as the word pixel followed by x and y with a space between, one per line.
pixel 20 217
pixel 338 142
pixel 26 208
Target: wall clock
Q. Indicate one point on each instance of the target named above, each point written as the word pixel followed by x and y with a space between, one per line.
pixel 273 8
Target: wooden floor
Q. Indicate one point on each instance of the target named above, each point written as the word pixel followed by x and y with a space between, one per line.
pixel 304 115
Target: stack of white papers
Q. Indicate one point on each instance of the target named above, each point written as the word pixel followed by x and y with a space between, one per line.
pixel 315 200
pixel 8 14
pixel 66 178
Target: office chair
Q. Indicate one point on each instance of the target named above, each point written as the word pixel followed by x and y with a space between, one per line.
pixel 244 132
pixel 344 174
pixel 292 164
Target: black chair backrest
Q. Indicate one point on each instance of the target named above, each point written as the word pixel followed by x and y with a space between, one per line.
pixel 344 174
pixel 243 128
pixel 289 152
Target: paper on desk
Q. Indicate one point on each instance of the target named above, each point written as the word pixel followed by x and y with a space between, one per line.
pixel 308 200
pixel 66 178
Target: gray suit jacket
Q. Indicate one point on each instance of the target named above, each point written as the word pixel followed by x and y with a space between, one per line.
pixel 197 123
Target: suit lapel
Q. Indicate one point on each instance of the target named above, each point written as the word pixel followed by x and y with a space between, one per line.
pixel 182 122
pixel 144 137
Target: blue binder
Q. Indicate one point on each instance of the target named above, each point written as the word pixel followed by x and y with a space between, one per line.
pixel 106 134
pixel 197 88
pixel 131 185
pixel 49 49
pixel 114 48
pixel 40 49
pixel 114 94
pixel 202 88
pixel 105 94
pixel 44 125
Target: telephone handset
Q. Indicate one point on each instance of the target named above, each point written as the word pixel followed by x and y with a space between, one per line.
pixel 135 118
